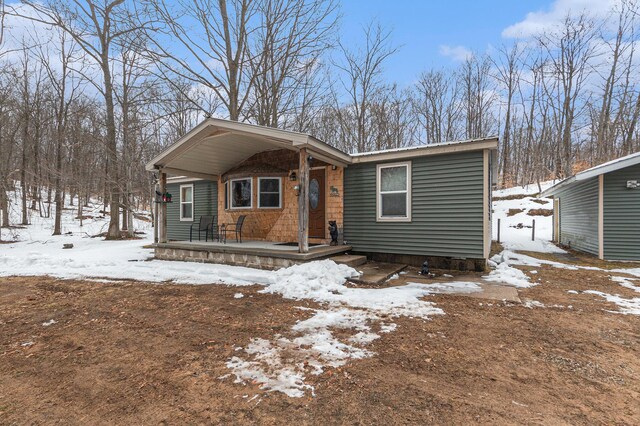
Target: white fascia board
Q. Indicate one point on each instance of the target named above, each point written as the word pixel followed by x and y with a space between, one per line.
pixel 611 166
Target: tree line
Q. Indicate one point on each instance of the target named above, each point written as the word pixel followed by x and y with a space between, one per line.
pixel 90 90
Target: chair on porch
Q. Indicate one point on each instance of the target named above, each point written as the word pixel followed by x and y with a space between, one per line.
pixel 205 224
pixel 233 227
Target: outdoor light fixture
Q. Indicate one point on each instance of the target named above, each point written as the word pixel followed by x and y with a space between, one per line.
pixel 297 189
pixel 334 167
pixel 293 177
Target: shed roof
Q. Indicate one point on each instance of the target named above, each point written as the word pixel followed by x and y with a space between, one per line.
pixel 608 167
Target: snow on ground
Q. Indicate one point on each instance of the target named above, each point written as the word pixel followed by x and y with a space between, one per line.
pixel 504 272
pixel 625 306
pixel 278 364
pixel 626 282
pixel 515 230
pixel 282 362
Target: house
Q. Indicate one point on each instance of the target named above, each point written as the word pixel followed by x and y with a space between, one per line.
pixel 596 211
pixel 405 205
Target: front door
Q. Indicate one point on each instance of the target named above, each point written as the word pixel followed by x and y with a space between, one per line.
pixel 316 204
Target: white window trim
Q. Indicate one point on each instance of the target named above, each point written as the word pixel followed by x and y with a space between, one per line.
pixel 225 194
pixel 379 217
pixel 193 198
pixel 250 206
pixel 279 192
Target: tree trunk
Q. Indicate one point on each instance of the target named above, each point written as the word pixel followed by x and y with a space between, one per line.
pixel 112 154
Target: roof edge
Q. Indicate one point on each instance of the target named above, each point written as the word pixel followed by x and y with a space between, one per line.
pixel 430 149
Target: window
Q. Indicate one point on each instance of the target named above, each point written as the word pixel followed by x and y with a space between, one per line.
pixel 394 192
pixel 269 193
pixel 186 202
pixel 241 194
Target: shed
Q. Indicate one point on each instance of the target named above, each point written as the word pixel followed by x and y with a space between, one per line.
pixel 596 210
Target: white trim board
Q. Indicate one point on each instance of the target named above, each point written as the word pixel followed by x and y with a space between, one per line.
pixel 408 192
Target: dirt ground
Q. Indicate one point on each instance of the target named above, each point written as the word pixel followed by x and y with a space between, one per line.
pixel 135 353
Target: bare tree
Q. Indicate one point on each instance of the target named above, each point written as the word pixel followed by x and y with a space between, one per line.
pixel 65 90
pixel 95 26
pixel 508 72
pixel 437 106
pixel 285 51
pixel 361 80
pixel 212 48
pixel 569 50
pixel 478 96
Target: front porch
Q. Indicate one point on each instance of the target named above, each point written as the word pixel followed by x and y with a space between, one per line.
pixel 253 254
pixel 282 186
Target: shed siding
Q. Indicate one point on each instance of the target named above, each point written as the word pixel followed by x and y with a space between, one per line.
pixel 579 216
pixel 621 215
pixel 447 209
pixel 205 198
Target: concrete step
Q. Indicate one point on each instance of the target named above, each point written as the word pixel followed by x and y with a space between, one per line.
pixel 377 272
pixel 349 260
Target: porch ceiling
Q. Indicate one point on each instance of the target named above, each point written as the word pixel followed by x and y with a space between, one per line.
pixel 215 146
pixel 216 154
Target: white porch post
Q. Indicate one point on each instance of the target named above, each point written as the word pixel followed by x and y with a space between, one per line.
pixel 163 208
pixel 303 203
pixel 154 206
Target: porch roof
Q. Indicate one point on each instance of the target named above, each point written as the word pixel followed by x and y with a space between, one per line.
pixel 216 145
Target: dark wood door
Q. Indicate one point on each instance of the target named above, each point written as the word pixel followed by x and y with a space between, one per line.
pixel 317 224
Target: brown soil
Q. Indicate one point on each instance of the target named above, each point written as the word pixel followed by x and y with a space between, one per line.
pixel 135 353
pixel 540 212
pixel 513 212
pixel 513 197
pixel 541 201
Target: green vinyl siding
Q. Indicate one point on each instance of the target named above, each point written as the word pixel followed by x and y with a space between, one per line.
pixel 621 215
pixel 205 203
pixel 446 209
pixel 579 216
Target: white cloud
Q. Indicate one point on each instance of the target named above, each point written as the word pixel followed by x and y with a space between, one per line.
pixel 457 53
pixel 540 21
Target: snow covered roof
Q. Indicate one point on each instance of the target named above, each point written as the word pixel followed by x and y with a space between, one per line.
pixel 610 166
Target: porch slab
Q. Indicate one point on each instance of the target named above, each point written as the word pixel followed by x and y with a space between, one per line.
pixel 252 254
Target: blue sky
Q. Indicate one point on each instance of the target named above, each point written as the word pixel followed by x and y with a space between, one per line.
pixel 425 28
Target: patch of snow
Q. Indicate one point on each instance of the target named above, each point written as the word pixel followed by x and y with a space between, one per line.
pixel 447 275
pixel 458 287
pixel 27 344
pixel 48 323
pixel 238 296
pixel 364 337
pixel 626 306
pixel 388 328
pixel 573 292
pixel 533 304
pixel 282 363
pixel 627 283
pixel 393 277
pixel 269 369
pixel 515 230
pixel 504 273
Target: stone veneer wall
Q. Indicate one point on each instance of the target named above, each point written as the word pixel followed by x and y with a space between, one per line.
pixel 282 224
pixel 237 259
